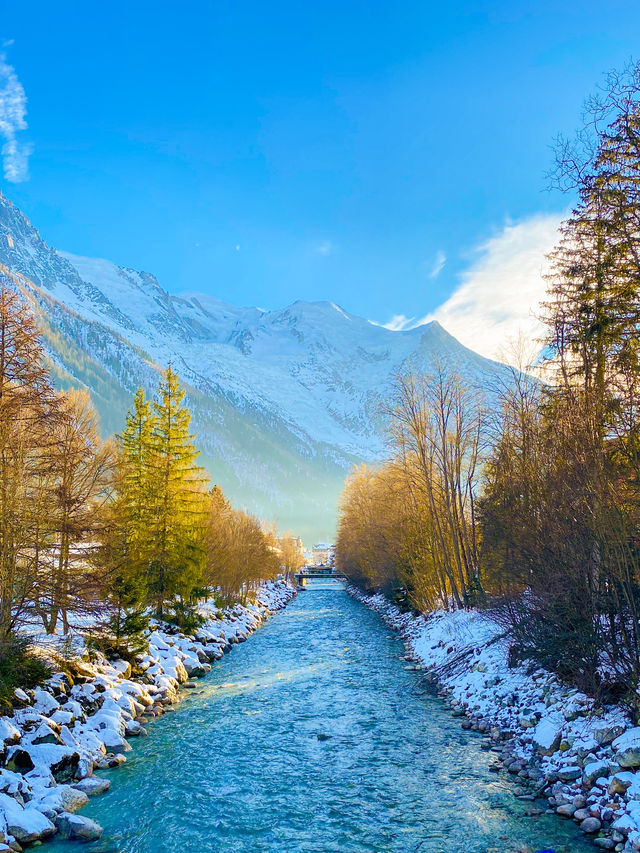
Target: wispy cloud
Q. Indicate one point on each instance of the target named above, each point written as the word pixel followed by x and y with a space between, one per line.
pixel 13 109
pixel 397 323
pixel 438 263
pixel 500 294
pixel 324 248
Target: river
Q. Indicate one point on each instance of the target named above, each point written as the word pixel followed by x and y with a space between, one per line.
pixel 313 737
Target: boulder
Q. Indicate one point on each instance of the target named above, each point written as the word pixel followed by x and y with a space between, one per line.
pixel 92 785
pixel 546 736
pixel 569 774
pixel 27 825
pixel 72 798
pixel 77 828
pixel 627 748
pixel 604 735
pixel 593 771
pixel 590 825
pixel 66 768
pixel 9 734
pixel 605 843
pixel 620 782
pixel 44 702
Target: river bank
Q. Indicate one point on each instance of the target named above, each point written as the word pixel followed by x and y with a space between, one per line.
pixel 548 735
pixel 60 732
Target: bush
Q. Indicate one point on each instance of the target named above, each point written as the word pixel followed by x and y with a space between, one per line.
pixel 184 616
pixel 20 666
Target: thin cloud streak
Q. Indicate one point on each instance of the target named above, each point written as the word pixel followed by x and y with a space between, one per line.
pixel 438 264
pixel 13 110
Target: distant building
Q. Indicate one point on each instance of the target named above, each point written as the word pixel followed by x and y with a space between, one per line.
pixel 295 541
pixel 323 554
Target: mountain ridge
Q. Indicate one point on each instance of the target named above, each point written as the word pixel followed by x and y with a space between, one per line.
pixel 284 401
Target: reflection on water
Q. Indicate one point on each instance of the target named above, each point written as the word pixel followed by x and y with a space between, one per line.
pixel 312 738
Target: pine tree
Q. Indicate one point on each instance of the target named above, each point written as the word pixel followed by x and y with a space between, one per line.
pixel 128 547
pixel 178 486
pixel 137 499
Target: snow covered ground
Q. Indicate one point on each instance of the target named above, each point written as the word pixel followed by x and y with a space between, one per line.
pixel 60 732
pixel 548 735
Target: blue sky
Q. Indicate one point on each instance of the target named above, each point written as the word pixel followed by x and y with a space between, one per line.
pixel 381 155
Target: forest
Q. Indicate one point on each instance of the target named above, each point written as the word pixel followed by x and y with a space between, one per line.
pixel 530 507
pixel 98 536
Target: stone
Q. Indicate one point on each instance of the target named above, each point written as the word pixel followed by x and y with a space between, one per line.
pixel 27 825
pixel 593 771
pixel 20 761
pixel 77 828
pixel 619 783
pixel 9 734
pixel 605 735
pixel 580 815
pixel 590 825
pixel 566 810
pixel 72 798
pixel 604 843
pixel 91 785
pixel 569 774
pixel 66 769
pixel 627 748
pixel 546 736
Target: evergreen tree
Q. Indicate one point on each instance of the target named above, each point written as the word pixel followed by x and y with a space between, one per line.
pixel 137 497
pixel 128 547
pixel 178 487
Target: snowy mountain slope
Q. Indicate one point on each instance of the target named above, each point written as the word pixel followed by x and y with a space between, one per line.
pixel 283 401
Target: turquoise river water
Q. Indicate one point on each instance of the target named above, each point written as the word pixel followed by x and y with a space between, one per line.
pixel 312 737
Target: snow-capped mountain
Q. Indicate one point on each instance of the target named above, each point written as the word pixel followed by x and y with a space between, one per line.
pixel 284 402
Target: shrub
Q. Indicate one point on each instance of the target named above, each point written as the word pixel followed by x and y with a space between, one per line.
pixel 21 667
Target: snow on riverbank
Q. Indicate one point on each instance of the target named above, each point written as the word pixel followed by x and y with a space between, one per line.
pixel 545 733
pixel 59 733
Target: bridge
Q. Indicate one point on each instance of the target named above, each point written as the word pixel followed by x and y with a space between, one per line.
pixel 318 573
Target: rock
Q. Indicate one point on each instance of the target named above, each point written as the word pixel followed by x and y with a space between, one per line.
pixel 92 785
pixel 620 782
pixel 20 761
pixel 66 769
pixel 566 810
pixel 123 667
pixel 21 696
pixel 569 774
pixel 72 798
pixel 593 771
pixel 44 702
pixel 27 825
pixel 590 825
pixel 627 748
pixel 9 734
pixel 580 815
pixel 546 736
pixel 77 828
pixel 607 734
pixel 604 843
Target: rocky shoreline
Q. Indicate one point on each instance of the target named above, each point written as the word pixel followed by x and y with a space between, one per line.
pixel 549 736
pixel 82 720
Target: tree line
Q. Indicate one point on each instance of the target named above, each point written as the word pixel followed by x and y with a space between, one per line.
pixel 100 534
pixel 531 507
